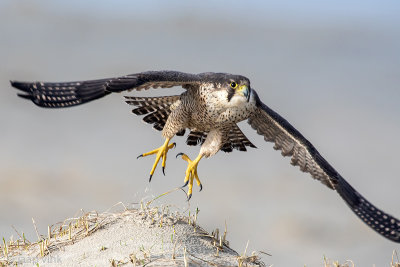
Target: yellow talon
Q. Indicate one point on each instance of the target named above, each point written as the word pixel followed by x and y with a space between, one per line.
pixel 191 173
pixel 161 153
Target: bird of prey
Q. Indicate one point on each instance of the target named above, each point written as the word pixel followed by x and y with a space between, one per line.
pixel 210 109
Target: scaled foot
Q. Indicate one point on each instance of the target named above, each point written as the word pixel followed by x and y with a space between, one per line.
pixel 191 173
pixel 161 153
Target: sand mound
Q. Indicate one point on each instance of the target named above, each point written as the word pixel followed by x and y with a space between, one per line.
pixel 145 236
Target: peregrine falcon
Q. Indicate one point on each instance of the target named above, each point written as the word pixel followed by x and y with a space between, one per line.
pixel 210 109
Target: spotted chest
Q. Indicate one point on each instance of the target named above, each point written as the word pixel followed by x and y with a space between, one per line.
pixel 209 108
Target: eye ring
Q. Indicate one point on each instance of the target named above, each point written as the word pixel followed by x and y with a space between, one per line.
pixel 233 85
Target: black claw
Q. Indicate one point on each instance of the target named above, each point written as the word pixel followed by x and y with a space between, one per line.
pixel 151 175
pixel 141 155
pixel 163 170
pixel 174 144
pixel 189 197
pixel 179 154
pixel 201 187
pixel 185 184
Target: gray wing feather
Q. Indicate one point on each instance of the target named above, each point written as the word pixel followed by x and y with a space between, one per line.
pixel 156 109
pixel 66 94
pixel 292 143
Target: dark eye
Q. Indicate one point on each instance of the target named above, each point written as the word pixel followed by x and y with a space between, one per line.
pixel 233 85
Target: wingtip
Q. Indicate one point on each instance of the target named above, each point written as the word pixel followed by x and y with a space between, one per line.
pixel 14 83
pixel 24 86
pixel 29 97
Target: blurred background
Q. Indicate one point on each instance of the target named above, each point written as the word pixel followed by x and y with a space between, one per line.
pixel 331 68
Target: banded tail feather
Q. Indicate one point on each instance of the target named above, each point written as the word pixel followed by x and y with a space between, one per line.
pixel 236 140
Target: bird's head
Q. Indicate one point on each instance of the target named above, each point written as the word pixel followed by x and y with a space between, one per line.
pixel 238 88
pixel 231 90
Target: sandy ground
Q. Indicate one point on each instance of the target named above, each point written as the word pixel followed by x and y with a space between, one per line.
pixel 146 236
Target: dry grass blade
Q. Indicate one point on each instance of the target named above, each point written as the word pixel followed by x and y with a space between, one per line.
pixel 254 259
pixel 395 259
pixel 36 230
pixel 328 263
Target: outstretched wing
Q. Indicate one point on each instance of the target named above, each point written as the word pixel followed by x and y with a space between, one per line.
pixel 66 94
pixel 292 143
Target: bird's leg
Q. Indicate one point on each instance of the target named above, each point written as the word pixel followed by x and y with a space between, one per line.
pixel 161 153
pixel 191 172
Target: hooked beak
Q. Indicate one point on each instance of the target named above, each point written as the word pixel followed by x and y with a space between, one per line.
pixel 245 91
